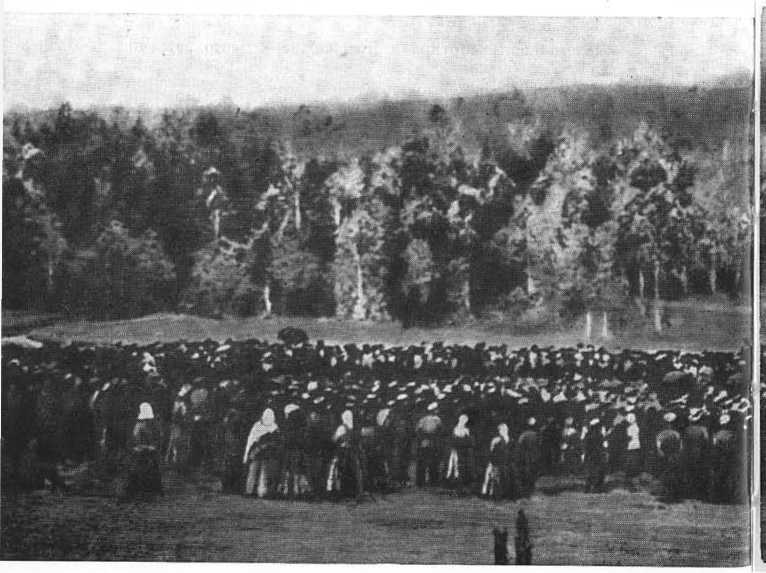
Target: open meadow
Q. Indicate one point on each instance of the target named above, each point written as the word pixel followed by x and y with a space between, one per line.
pixel 694 326
pixel 194 522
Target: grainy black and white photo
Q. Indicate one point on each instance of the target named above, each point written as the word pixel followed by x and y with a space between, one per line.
pixel 377 289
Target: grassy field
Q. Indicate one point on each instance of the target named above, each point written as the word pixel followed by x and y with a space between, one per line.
pixel 693 326
pixel 192 522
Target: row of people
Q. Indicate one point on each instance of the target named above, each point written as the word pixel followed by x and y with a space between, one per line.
pixel 80 402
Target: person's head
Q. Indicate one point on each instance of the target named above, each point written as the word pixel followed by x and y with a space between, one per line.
pixel 267 418
pixel 502 429
pixel 290 408
pixel 145 411
pixel 347 417
pixel 462 420
pixel 631 418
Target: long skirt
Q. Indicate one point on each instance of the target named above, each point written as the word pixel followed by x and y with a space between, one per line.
pixel 144 475
pixel 179 445
pixel 491 485
pixel 460 466
pixel 345 475
pixel 500 482
pixel 261 477
pixel 294 481
pixel 632 460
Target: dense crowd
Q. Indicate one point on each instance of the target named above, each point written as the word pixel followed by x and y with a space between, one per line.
pixel 314 420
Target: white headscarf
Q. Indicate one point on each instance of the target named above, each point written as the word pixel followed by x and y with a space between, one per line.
pixel 502 429
pixel 347 424
pixel 145 411
pixel 382 416
pixel 460 430
pixel 266 425
pixel 291 408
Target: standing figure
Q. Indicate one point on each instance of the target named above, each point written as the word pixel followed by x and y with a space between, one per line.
pixel 232 444
pixel 345 474
pixel 460 464
pixel 262 454
pixel 294 482
pixel 400 454
pixel 695 457
pixel 570 447
pixel 594 455
pixel 669 457
pixel 529 458
pixel 727 462
pixel 522 541
pixel 500 478
pixel 428 434
pixel 633 456
pixel 550 437
pixel 501 546
pixel 144 475
pixel 317 450
pixel 179 442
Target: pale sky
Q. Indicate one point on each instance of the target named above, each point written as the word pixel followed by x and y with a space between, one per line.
pixel 165 60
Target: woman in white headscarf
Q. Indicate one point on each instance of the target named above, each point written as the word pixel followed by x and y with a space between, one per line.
pixel 144 476
pixel 262 454
pixel 345 474
pixel 460 464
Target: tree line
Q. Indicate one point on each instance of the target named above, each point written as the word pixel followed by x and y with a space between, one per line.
pixel 200 212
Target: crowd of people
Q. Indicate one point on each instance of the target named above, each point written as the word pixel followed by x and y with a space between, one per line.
pixel 296 419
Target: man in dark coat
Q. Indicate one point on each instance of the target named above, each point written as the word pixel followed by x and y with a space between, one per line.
pixel 529 457
pixel 668 445
pixel 595 456
pixel 727 461
pixel 428 432
pixel 696 456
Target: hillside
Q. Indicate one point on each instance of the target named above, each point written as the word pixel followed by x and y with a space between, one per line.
pixel 696 117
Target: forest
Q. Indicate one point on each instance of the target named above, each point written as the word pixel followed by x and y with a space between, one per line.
pixel 559 202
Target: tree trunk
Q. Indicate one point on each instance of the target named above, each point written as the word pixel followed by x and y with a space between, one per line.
pixel 49 276
pixel 588 325
pixel 466 293
pixel 297 199
pixel 216 216
pixel 641 293
pixel 530 285
pixel 283 226
pixel 712 277
pixel 336 212
pixel 360 305
pixel 657 310
pixel 267 300
pixel 605 327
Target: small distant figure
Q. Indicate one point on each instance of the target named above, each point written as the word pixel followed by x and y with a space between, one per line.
pixel 501 546
pixel 293 336
pixel 523 542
